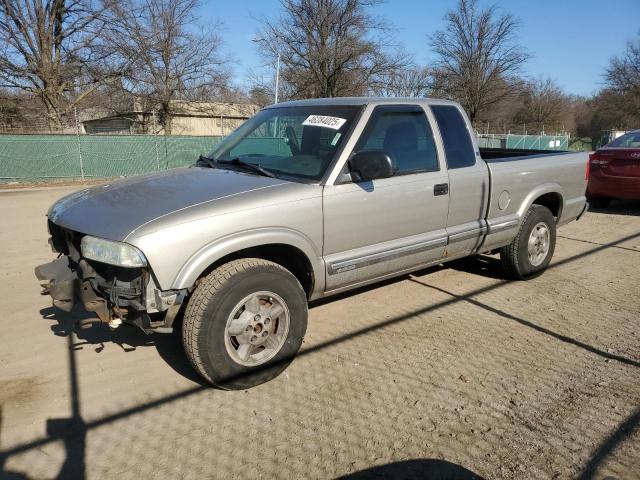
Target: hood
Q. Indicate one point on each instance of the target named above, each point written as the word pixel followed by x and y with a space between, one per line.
pixel 113 210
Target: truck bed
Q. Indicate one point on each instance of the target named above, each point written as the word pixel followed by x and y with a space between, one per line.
pixel 520 177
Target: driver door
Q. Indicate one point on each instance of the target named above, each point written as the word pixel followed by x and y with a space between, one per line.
pixel 381 227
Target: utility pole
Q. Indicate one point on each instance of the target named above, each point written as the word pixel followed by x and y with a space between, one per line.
pixel 75 114
pixel 277 78
pixel 155 138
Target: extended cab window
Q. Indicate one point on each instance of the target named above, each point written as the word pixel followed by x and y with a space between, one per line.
pixel 455 136
pixel 403 132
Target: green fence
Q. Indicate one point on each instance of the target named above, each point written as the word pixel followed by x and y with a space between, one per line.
pixel 538 142
pixel 31 157
pixel 491 142
pixel 524 142
pixel 34 157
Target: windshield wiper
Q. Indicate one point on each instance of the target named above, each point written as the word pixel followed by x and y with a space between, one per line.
pixel 204 161
pixel 252 166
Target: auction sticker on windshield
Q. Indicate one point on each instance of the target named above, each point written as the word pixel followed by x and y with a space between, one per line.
pixel 324 121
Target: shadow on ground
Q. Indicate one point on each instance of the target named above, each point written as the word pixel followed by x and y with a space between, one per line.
pixel 423 469
pixel 619 207
pixel 127 337
pixel 480 265
pixel 73 430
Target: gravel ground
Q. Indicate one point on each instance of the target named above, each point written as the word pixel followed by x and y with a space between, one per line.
pixel 448 373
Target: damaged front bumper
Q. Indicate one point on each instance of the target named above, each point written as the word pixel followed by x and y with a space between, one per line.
pixel 114 294
pixel 69 284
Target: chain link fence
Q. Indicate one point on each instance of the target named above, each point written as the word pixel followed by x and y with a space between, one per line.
pixel 41 157
pixel 35 157
pixel 524 142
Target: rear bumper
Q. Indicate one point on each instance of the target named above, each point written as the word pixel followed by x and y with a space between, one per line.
pixel 606 186
pixel 582 212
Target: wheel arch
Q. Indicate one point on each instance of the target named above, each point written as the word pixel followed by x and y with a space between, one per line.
pixel 285 247
pixel 549 195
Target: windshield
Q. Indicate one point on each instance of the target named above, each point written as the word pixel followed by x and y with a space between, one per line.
pixel 628 140
pixel 299 142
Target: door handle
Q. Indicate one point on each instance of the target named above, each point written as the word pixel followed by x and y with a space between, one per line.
pixel 441 189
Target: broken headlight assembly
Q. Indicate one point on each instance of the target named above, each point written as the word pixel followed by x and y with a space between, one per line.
pixel 112 253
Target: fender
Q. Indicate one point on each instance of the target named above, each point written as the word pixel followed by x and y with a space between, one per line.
pixel 210 253
pixel 538 192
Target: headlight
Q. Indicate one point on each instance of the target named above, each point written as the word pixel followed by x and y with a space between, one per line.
pixel 113 253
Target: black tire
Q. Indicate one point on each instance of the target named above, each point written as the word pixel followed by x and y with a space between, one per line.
pixel 599 202
pixel 515 258
pixel 210 306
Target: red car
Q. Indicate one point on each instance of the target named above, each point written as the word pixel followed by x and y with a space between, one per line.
pixel 614 170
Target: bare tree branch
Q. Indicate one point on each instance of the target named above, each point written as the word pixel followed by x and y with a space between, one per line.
pixel 545 104
pixel 623 73
pixel 171 57
pixel 478 62
pixel 329 48
pixel 52 49
pixel 414 82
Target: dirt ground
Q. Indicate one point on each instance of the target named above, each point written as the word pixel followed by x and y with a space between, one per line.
pixel 449 373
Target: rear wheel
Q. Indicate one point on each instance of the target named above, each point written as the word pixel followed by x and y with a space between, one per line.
pixel 244 323
pixel 530 252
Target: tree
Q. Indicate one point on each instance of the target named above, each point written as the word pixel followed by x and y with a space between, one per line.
pixel 51 49
pixel 172 58
pixel 544 104
pixel 607 110
pixel 10 113
pixel 329 48
pixel 478 61
pixel 622 87
pixel 260 96
pixel 623 73
pixel 414 82
pixel 617 105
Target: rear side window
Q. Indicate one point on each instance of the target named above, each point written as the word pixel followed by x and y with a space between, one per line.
pixel 404 133
pixel 455 136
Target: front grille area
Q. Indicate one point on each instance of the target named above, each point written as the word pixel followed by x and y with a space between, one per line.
pixel 119 286
pixel 58 237
pixel 65 241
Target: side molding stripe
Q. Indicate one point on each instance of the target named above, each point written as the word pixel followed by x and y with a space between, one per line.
pixel 499 227
pixel 475 232
pixel 367 260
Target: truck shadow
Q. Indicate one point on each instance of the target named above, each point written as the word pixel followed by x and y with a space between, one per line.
pixel 127 337
pixel 481 265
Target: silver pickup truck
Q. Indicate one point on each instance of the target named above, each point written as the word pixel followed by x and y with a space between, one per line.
pixel 304 200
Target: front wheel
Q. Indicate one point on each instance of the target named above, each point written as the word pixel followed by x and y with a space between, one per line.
pixel 244 323
pixel 530 252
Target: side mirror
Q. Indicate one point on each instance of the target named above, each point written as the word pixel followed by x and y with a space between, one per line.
pixel 370 164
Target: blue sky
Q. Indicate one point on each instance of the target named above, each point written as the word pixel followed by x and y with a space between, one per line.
pixel 570 40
